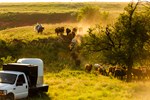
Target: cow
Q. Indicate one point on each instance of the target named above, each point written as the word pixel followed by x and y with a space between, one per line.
pixel 59 30
pixel 96 66
pixel 74 30
pixel 102 71
pixel 39 28
pixel 88 68
pixel 68 31
pixel 120 73
pixel 111 70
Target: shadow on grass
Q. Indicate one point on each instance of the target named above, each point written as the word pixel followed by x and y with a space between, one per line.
pixel 39 96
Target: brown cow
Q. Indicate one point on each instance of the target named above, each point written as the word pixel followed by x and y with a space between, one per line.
pixel 111 70
pixel 59 30
pixel 88 68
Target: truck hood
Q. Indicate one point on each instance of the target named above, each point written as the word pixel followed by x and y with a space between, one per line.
pixel 4 86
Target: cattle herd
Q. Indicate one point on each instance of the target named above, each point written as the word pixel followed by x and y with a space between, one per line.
pixel 59 30
pixel 69 34
pixel 140 73
pixel 66 34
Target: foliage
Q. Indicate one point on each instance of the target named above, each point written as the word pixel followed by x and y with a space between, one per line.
pixel 125 43
pixel 92 15
pixel 89 14
pixel 8 59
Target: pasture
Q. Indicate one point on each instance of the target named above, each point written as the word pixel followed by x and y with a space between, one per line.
pixel 18 39
pixel 78 85
pixel 57 7
pixel 25 14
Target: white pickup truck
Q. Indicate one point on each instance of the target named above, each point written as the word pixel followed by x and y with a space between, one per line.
pixel 22 79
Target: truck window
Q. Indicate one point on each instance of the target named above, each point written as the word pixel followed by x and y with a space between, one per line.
pixel 21 79
pixel 7 78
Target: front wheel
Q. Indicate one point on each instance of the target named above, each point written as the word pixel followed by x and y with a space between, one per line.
pixel 10 97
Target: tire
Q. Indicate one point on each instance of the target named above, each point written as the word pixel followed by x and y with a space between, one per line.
pixel 10 97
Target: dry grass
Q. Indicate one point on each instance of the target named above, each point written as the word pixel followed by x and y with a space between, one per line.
pixel 78 85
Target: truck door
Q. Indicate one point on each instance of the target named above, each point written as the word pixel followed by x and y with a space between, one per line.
pixel 21 90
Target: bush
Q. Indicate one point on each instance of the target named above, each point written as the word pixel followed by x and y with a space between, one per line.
pixel 8 59
pixel 89 14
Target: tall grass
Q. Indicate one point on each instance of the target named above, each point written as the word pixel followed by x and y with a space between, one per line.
pixel 78 85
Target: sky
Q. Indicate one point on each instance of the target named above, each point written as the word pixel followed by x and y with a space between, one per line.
pixel 68 0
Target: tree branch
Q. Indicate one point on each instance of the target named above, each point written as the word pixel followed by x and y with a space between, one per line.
pixel 108 35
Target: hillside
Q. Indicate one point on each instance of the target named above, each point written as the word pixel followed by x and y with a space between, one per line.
pixel 25 14
pixel 78 85
pixel 20 42
pixel 18 36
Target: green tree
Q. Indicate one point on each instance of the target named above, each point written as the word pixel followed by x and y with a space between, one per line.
pixel 126 42
pixel 89 14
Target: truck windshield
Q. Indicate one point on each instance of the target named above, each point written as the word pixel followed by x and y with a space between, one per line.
pixel 7 78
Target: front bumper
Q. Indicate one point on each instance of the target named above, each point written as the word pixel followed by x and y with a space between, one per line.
pixel 2 97
pixel 3 94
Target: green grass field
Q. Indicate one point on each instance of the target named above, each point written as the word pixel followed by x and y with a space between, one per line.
pixel 17 22
pixel 78 85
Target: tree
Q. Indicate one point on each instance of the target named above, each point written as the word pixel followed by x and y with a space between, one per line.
pixel 89 14
pixel 126 42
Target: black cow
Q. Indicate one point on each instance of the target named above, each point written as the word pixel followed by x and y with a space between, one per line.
pixel 68 31
pixel 120 73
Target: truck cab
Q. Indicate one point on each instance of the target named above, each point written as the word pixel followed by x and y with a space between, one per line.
pixel 13 85
pixel 20 80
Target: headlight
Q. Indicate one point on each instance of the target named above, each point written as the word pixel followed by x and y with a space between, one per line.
pixel 3 92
